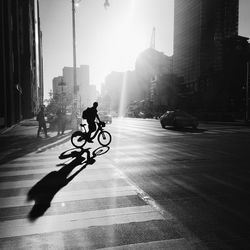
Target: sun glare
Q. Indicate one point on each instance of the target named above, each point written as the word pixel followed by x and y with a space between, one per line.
pixel 123 43
pixel 124 32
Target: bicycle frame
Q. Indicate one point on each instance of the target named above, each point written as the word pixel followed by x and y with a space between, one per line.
pixel 79 138
pixel 99 128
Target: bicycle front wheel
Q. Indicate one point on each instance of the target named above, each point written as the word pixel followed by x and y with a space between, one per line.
pixel 78 139
pixel 104 138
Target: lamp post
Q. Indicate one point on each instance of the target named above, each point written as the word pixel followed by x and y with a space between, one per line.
pixel 62 83
pixel 74 106
pixel 247 93
pixel 75 87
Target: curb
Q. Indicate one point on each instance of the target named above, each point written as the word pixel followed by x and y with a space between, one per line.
pixel 5 130
pixel 20 123
pixel 53 144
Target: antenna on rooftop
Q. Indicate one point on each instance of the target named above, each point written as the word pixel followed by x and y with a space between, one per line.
pixel 152 41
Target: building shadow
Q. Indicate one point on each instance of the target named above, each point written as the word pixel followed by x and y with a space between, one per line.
pixel 14 146
pixel 44 191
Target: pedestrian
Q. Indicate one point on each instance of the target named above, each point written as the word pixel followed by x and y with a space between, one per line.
pixel 41 122
pixel 59 121
pixel 90 114
pixel 64 120
pixel 74 122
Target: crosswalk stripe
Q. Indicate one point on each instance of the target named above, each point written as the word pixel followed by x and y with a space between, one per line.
pixel 29 163
pixel 82 178
pixel 173 244
pixel 46 170
pixel 65 196
pixel 65 222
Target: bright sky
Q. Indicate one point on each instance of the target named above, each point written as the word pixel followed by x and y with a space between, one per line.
pixel 109 39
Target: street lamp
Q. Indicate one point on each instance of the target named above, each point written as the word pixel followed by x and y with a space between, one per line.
pixel 75 87
pixel 247 93
pixel 74 107
pixel 62 83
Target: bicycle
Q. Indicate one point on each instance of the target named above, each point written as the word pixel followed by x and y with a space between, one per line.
pixel 79 138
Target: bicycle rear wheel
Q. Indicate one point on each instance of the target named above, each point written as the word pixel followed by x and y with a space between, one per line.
pixel 104 138
pixel 78 139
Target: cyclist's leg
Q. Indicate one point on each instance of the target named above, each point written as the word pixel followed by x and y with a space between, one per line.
pixel 92 128
pixel 45 129
pixel 38 130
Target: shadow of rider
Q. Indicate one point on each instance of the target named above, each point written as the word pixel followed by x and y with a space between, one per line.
pixel 44 191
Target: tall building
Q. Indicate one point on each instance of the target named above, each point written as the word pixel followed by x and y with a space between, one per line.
pixel 82 75
pixel 200 30
pixel 56 88
pixel 21 87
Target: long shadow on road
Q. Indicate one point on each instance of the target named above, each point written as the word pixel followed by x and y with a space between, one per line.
pixel 15 146
pixel 44 191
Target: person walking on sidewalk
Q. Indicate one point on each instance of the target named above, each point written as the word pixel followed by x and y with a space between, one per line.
pixel 61 121
pixel 41 122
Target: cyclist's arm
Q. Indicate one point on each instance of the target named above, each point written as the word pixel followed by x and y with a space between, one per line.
pixel 97 116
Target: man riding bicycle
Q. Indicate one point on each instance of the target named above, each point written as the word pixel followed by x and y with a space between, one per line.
pixel 90 114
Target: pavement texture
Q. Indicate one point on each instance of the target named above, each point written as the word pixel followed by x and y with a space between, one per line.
pixel 59 197
pixel 20 139
pixel 54 196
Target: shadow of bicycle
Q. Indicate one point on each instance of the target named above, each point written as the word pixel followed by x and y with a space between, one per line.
pixel 44 191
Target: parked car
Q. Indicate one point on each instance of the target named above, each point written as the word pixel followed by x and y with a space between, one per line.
pixel 105 117
pixel 178 119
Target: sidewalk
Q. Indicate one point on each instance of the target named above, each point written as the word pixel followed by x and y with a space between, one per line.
pixel 26 122
pixel 21 139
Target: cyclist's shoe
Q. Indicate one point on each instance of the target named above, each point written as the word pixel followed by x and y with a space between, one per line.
pixel 91 161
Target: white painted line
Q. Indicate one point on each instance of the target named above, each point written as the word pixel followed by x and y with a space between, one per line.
pixel 36 158
pixel 47 170
pixel 36 164
pixel 173 244
pixel 66 222
pixel 64 196
pixel 81 177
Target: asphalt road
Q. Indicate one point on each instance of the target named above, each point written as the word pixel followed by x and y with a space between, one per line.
pixel 201 177
pixel 153 188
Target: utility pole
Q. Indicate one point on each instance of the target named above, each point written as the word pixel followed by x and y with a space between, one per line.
pixel 75 86
pixel 74 49
pixel 74 106
pixel 247 93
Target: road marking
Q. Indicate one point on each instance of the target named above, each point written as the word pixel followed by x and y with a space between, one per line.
pixel 47 170
pixel 79 178
pixel 66 222
pixel 64 196
pixel 33 163
pixel 173 244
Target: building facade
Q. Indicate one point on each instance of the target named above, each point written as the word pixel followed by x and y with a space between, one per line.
pixel 201 28
pixel 154 71
pixel 86 93
pixel 21 89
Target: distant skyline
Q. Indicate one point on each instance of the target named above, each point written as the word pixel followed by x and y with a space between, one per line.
pixel 108 40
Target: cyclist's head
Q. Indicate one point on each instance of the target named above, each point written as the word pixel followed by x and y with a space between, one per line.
pixel 95 104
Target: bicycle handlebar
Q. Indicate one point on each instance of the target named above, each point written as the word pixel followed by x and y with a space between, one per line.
pixel 102 124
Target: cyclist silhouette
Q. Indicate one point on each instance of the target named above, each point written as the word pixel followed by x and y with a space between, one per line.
pixel 90 114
